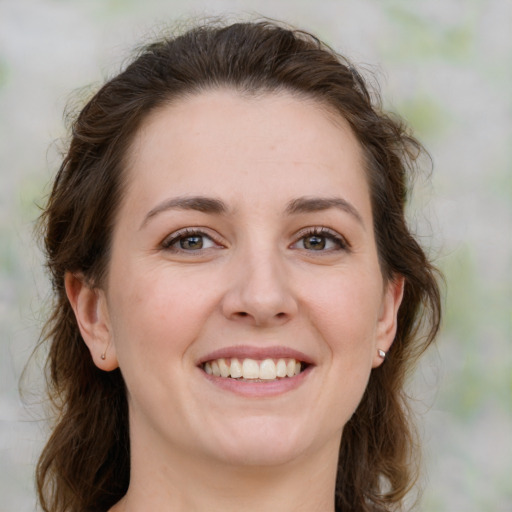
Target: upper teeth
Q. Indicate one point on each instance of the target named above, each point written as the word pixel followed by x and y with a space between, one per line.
pixel 268 369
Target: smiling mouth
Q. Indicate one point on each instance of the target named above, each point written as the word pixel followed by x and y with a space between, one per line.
pixel 253 369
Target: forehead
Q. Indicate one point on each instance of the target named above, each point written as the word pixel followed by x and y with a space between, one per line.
pixel 222 142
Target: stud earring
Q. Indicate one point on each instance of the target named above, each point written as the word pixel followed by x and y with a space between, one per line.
pixel 103 355
pixel 381 353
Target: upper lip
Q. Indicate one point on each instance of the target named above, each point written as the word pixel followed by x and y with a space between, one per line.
pixel 258 353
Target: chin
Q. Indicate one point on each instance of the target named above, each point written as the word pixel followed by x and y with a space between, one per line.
pixel 260 455
pixel 261 442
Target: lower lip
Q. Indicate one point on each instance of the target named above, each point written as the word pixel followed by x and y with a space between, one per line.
pixel 259 389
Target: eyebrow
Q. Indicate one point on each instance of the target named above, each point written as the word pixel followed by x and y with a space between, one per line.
pixel 197 203
pixel 316 204
pixel 216 206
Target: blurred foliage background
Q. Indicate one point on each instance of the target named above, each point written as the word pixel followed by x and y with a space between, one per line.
pixel 446 66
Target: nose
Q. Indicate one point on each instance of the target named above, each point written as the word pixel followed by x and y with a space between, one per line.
pixel 260 292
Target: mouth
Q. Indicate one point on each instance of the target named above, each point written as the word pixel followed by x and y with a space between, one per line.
pixel 254 370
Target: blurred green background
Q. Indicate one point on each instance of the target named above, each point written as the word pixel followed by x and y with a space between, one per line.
pixel 446 66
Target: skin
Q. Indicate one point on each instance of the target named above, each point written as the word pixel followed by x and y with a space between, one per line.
pixel 259 281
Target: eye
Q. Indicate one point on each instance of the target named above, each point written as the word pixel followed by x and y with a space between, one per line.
pixel 188 240
pixel 320 240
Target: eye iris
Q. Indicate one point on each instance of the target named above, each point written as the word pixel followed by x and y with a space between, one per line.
pixel 192 242
pixel 314 242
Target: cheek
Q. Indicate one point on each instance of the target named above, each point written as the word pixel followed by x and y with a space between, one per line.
pixel 345 314
pixel 348 335
pixel 346 310
pixel 160 312
pixel 154 317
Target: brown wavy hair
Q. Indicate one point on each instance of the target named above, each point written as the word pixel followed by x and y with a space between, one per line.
pixel 85 465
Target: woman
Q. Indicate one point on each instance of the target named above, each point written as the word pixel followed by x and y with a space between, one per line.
pixel 238 297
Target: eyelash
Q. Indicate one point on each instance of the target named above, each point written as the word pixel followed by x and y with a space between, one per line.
pixel 321 232
pixel 183 234
pixel 340 241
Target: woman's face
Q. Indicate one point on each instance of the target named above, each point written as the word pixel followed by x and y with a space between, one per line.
pixel 244 245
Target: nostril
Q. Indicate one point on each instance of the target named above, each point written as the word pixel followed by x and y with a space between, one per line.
pixel 260 317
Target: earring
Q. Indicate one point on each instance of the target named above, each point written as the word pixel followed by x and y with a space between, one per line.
pixel 103 355
pixel 381 353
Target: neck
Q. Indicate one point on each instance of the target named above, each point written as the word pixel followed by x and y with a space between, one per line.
pixel 172 482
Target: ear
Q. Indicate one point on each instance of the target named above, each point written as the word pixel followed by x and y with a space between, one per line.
pixel 387 322
pixel 90 307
